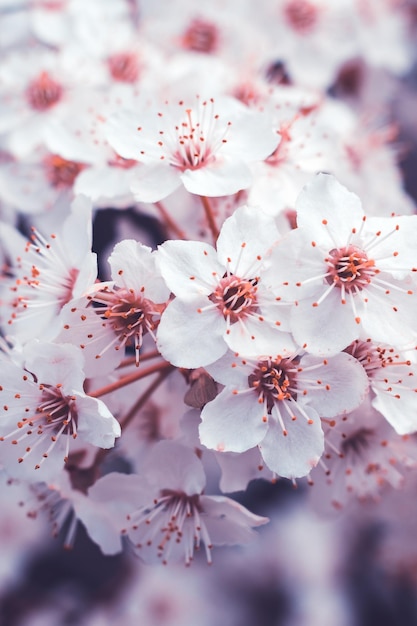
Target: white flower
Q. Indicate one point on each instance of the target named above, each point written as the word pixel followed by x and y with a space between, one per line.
pixel 277 403
pixel 393 380
pixel 44 407
pixel 117 313
pixel 205 146
pixel 347 275
pixel 363 455
pixel 220 299
pixel 172 517
pixel 49 272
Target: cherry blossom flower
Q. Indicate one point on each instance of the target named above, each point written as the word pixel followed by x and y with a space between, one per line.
pixel 220 297
pixel 392 378
pixel 312 37
pixel 38 87
pixel 276 402
pixel 347 275
pixel 41 183
pixel 44 407
pixel 363 455
pixel 173 517
pixel 118 313
pixel 205 145
pixel 48 273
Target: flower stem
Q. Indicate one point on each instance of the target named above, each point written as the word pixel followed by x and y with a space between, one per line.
pixel 169 221
pixel 210 217
pixel 130 378
pixel 144 398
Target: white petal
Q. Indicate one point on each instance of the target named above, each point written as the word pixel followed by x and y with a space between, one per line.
pixel 189 338
pixel 155 182
pixel 327 328
pixel 228 522
pixel 233 422
pixel 245 239
pixel 173 466
pixel 255 336
pixel 343 384
pixel 328 211
pixel 134 266
pixel 189 268
pixel 221 177
pixel 295 454
pixel 96 424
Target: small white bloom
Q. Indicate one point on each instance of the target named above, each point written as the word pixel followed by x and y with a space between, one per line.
pixel 117 313
pixel 206 146
pixel 48 273
pixel 172 518
pixel 44 407
pixel 347 275
pixel 277 403
pixel 221 300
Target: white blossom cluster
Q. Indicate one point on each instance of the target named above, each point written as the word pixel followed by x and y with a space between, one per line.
pixel 273 331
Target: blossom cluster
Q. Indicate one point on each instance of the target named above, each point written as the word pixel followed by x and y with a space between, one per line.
pixel 271 329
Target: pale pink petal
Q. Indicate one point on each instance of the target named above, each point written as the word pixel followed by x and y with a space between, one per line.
pixel 189 338
pixel 155 182
pixel 255 335
pixel 327 328
pixel 56 364
pixel 328 211
pixel 173 466
pixel 398 404
pixel 295 454
pixel 391 318
pixel 233 422
pixel 221 177
pixel 245 239
pixel 134 266
pixel 96 425
pixel 343 384
pixel 228 522
pixel 190 268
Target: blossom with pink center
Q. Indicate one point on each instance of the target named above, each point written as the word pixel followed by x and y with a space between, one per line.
pixel 363 455
pixel 40 183
pixel 170 517
pixel 36 88
pixel 106 176
pixel 48 273
pixel 312 37
pixel 118 313
pixel 276 402
pixel 220 299
pixel 44 407
pixel 393 380
pixel 206 146
pixel 347 275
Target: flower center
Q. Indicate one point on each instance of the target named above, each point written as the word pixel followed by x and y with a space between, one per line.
pixel 195 140
pixel 43 92
pixel 201 36
pixel 54 416
pixel 357 442
pixel 374 358
pixel 301 15
pixel 236 297
pixel 130 316
pixel 350 268
pixel 60 172
pixel 124 67
pixel 174 518
pixel 274 381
